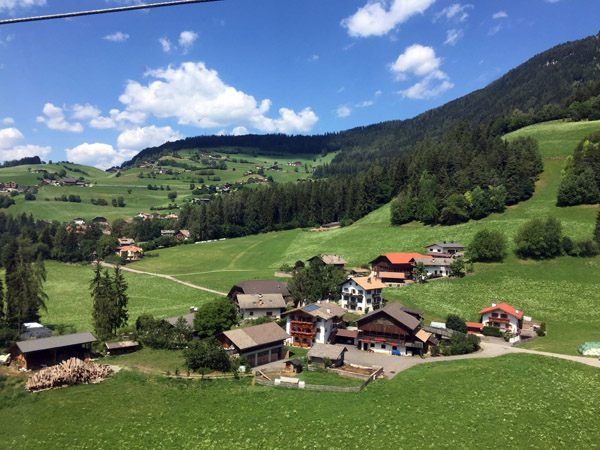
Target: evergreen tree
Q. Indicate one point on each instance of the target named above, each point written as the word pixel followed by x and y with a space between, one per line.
pixel 597 228
pixel 119 290
pixel 103 305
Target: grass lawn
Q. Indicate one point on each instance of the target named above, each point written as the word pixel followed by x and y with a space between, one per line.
pixel 545 403
pixel 70 304
pixel 150 360
pixel 328 379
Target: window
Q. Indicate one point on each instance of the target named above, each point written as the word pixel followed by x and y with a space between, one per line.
pixel 383 346
pixel 269 313
pixel 372 345
pixel 251 313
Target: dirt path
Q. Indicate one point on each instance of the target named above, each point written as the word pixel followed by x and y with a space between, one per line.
pixel 168 277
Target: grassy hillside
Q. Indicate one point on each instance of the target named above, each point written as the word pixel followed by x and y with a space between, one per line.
pixel 429 405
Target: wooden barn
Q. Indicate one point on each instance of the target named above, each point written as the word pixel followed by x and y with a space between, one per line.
pixel 38 353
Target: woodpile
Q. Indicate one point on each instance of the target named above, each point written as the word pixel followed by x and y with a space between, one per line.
pixel 67 373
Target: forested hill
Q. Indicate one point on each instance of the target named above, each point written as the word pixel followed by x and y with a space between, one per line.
pixel 549 78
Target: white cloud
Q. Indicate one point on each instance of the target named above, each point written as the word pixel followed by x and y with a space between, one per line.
pixel 239 131
pixel 375 19
pixel 186 40
pixel 552 1
pixel 456 12
pixel 431 86
pixel 166 44
pixel 378 92
pixel 98 155
pixel 494 30
pixel 365 104
pixel 54 118
pixel 140 138
pixel 118 119
pixel 197 96
pixel 10 5
pixel 8 121
pixel 452 36
pixel 416 59
pixel 7 39
pixel 313 58
pixel 343 111
pixel 9 150
pixel 84 112
pixel 116 37
pixel 500 15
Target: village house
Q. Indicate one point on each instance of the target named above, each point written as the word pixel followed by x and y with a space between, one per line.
pixel 144 216
pixel 259 287
pixel 9 185
pixel 100 220
pixel 167 233
pixel 38 353
pixel 252 306
pixel 394 268
pixel 320 353
pixel 189 318
pixel 172 216
pixel 182 235
pixel 434 265
pixel 125 241
pixel 394 329
pixel 314 323
pixel 260 344
pixel 503 316
pixel 445 248
pixel 331 260
pixel 362 294
pixel 79 221
pixel 130 252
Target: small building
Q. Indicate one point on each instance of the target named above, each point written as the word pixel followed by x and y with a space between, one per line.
pixel 293 365
pixel 189 318
pixel 167 233
pixel 435 266
pixel 182 235
pixel 34 330
pixel 474 327
pixel 346 336
pixel 362 294
pixel 79 221
pixel 144 216
pixel 359 271
pixel 332 260
pixel 37 353
pixel 314 323
pixel 260 344
pixel 69 181
pixel 259 287
pixel 172 216
pixel 100 220
pixel 121 348
pixel 448 248
pixel 319 353
pixel 394 267
pixel 125 241
pixel 503 316
pixel 130 252
pixel 252 306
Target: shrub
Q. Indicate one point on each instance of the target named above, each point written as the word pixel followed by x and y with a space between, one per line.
pixel 541 331
pixel 206 353
pixel 435 350
pixel 538 239
pixel 587 248
pixel 492 331
pixel 454 322
pixel 487 246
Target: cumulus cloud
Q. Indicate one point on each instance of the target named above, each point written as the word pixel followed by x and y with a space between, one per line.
pixel 455 12
pixel 116 37
pixel 54 118
pixel 376 19
pixel 186 40
pixel 165 44
pixel 9 137
pixel 313 58
pixel 239 131
pixel 140 138
pixel 343 111
pixel 365 104
pixel 500 15
pixel 84 112
pixel 10 5
pixel 195 95
pixel 118 119
pixel 7 121
pixel 452 36
pixel 421 61
pixel 98 155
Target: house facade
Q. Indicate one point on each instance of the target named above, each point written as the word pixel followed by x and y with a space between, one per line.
pixel 259 287
pixel 362 294
pixel 448 248
pixel 314 323
pixel 394 268
pixel 434 265
pixel 331 260
pixel 503 316
pixel 130 252
pixel 261 344
pixel 252 306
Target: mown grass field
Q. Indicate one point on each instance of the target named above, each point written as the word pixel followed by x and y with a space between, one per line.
pixel 526 401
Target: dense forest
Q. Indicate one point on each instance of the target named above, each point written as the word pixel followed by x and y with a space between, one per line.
pixel 467 174
pixel 563 82
pixel 580 183
pixel 28 160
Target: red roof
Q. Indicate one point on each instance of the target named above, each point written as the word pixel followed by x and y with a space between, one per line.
pixel 474 325
pixel 402 258
pixel 505 308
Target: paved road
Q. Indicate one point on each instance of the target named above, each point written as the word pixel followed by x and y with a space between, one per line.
pixel 168 277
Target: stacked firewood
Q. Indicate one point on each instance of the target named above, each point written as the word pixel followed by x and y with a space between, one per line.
pixel 67 373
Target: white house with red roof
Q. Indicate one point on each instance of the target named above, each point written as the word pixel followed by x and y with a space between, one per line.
pixel 362 294
pixel 503 316
pixel 395 267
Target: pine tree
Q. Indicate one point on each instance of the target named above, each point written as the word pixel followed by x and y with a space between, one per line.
pixel 109 301
pixel 119 289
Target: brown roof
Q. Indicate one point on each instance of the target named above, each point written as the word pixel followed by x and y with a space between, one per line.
pixel 262 287
pixel 55 342
pixel 398 258
pixel 260 301
pixel 395 311
pixel 333 259
pixel 347 333
pixel 266 333
pixel 189 318
pixel 423 335
pixel 392 275
pixel 323 310
pixel 122 344
pixel 369 283
pixel 333 352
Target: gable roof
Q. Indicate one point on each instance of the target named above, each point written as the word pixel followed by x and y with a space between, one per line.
pixel 262 287
pixel 505 308
pixel 333 352
pixel 55 342
pixel 266 333
pixel 333 259
pixel 131 248
pixel 189 318
pixel 395 311
pixel 392 275
pixel 433 261
pixel 323 310
pixel 367 283
pixel 399 258
pixel 260 301
pixel 446 245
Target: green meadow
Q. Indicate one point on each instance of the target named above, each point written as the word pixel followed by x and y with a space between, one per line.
pixel 526 401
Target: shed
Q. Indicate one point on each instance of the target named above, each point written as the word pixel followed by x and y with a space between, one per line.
pixel 319 352
pixel 52 350
pixel 120 348
pixel 293 365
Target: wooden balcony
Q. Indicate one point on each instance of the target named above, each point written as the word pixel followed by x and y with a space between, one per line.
pixel 499 319
pixel 303 323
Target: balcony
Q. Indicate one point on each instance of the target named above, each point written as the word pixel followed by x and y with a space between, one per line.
pixel 302 333
pixel 499 319
pixel 303 323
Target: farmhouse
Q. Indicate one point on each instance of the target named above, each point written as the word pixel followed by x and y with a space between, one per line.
pixel 394 267
pixel 167 233
pixel 445 248
pixel 49 351
pixel 125 241
pixel 332 260
pixel 71 181
pixel 434 265
pixel 182 235
pixel 319 353
pixel 314 323
pixel 100 220
pixel 362 294
pixel 130 252
pixel 394 329
pixel 144 216
pixel 79 221
pixel 261 344
pixel 251 306
pixel 503 316
pixel 189 318
pixel 259 287
pixel 35 330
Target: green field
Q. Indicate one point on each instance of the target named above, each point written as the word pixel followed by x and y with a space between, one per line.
pixel 526 401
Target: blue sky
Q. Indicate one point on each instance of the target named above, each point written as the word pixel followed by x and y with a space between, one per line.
pixel 98 89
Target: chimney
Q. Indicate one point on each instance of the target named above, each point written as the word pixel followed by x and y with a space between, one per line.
pixel 517 311
pixel 260 300
pixel 493 304
pixel 328 310
pixel 369 280
pixel 318 302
